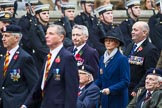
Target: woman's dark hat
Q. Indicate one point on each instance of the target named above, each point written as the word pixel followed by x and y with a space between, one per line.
pixel 114 34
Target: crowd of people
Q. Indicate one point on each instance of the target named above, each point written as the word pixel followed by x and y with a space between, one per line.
pixel 82 61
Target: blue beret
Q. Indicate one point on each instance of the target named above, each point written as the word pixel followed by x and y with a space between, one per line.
pixel 12 29
pixel 86 69
pixel 154 71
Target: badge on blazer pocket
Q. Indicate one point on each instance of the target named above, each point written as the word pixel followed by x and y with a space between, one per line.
pixel 101 71
pixel 57 75
pixel 15 74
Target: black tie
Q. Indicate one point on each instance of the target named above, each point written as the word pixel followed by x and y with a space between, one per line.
pixel 74 51
pixel 133 49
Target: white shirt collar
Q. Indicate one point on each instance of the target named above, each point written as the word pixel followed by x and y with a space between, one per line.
pixel 79 48
pixel 56 50
pixel 12 52
pixel 139 44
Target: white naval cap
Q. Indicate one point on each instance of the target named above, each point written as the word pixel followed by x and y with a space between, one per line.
pixel 104 8
pixel 40 8
pixel 5 15
pixel 30 1
pixel 87 1
pixel 131 3
pixel 6 3
pixel 68 6
pixel 157 1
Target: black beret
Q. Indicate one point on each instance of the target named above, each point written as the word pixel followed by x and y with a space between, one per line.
pixel 86 69
pixel 154 71
pixel 11 29
pixel 114 34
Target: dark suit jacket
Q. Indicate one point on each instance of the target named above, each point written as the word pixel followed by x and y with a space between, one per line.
pixel 90 57
pixel 150 55
pixel 59 93
pixel 20 78
pixel 89 96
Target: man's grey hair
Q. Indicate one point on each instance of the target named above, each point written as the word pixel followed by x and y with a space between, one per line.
pixel 18 34
pixel 83 28
pixel 59 29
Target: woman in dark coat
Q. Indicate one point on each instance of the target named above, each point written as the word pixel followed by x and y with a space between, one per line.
pixel 114 75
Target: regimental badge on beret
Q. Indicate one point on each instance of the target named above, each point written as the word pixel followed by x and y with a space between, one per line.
pixel 83 67
pixel 154 72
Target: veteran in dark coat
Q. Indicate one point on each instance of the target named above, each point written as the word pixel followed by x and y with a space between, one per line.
pixel 58 84
pixel 149 96
pixel 114 73
pixel 89 92
pixel 82 50
pixel 142 55
pixel 18 73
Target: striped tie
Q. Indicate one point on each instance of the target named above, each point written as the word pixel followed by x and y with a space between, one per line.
pixel 6 64
pixel 47 66
pixel 48 62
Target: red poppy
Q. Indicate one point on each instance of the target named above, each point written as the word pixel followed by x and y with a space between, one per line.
pixel 78 57
pixel 140 49
pixel 57 60
pixel 16 57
